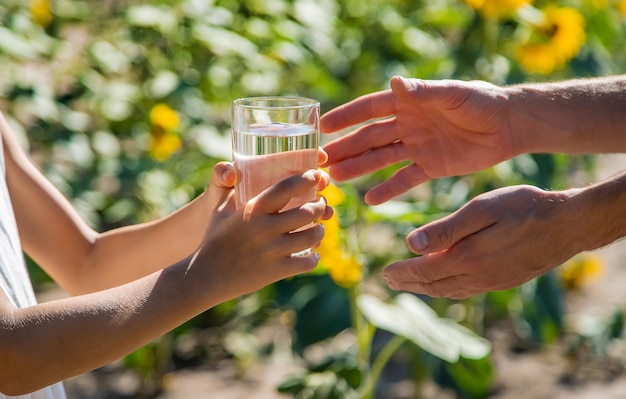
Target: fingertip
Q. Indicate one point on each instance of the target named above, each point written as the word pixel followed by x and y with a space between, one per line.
pixel 224 174
pixel 417 242
pixel 327 123
pixel 313 175
pixel 371 199
pixel 390 281
pixel 322 156
pixel 328 212
pixel 395 80
pixel 229 177
pixel 308 262
pixel 378 195
pixel 324 181
pixel 392 285
pixel 402 86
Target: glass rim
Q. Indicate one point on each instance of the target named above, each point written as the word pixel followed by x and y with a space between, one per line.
pixel 290 102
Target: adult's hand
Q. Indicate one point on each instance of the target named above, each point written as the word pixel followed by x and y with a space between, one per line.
pixel 498 240
pixel 443 128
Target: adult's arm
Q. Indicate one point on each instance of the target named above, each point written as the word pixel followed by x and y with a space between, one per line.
pixel 508 236
pixel 450 127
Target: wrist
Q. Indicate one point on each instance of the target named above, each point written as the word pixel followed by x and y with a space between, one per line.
pixel 536 120
pixel 575 116
pixel 598 212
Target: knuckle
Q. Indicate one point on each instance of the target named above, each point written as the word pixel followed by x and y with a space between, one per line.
pixel 445 233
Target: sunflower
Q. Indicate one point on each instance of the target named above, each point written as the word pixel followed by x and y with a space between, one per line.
pixel 344 268
pixel 164 140
pixel 497 8
pixel 164 116
pixel 553 42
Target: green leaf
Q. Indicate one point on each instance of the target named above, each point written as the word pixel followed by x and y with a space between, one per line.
pixel 16 45
pixel 160 18
pixel 412 319
pixel 224 42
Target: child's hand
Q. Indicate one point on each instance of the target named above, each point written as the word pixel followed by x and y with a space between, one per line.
pixel 247 249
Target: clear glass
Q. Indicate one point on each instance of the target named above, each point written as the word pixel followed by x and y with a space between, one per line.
pixel 273 138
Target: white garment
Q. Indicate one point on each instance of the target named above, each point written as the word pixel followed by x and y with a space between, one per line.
pixel 14 279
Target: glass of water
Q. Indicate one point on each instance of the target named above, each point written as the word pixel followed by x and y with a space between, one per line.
pixel 273 138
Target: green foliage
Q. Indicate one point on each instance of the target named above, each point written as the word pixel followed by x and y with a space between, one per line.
pixel 336 376
pixel 79 82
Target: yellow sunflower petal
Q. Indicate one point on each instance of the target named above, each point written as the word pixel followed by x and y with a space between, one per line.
pixel 497 8
pixel 333 194
pixel 554 42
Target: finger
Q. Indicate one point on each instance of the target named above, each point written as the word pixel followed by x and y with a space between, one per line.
pixel 324 181
pixel 276 197
pixel 322 156
pixel 308 237
pixel 220 189
pixel 446 232
pixel 294 265
pixel 443 93
pixel 361 141
pixel 452 287
pixel 456 287
pixel 328 213
pixel 223 175
pixel 376 105
pixel 296 218
pixel 402 181
pixel 424 269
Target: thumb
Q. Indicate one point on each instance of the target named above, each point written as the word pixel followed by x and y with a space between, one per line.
pixel 220 188
pixel 444 233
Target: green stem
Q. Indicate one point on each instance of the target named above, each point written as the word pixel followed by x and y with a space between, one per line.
pixel 361 329
pixel 491 35
pixel 379 364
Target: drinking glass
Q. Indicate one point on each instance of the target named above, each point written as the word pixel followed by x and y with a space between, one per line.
pixel 273 138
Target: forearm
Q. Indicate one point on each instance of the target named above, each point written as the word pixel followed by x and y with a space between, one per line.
pixel 598 212
pixel 73 254
pixel 122 255
pixel 50 342
pixel 576 116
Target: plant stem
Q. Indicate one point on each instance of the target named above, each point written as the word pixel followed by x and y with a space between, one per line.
pixel 361 329
pixel 491 36
pixel 379 364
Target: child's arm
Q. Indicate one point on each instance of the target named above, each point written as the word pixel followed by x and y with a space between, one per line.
pixel 80 259
pixel 242 251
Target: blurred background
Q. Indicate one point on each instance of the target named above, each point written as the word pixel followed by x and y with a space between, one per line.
pixel 125 105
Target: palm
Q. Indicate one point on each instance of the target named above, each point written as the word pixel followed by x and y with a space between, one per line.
pixel 445 128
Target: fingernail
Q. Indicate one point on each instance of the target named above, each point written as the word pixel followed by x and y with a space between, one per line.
pixel 314 174
pixel 418 241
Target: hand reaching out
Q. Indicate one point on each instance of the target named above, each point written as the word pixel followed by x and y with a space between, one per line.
pixel 498 240
pixel 443 128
